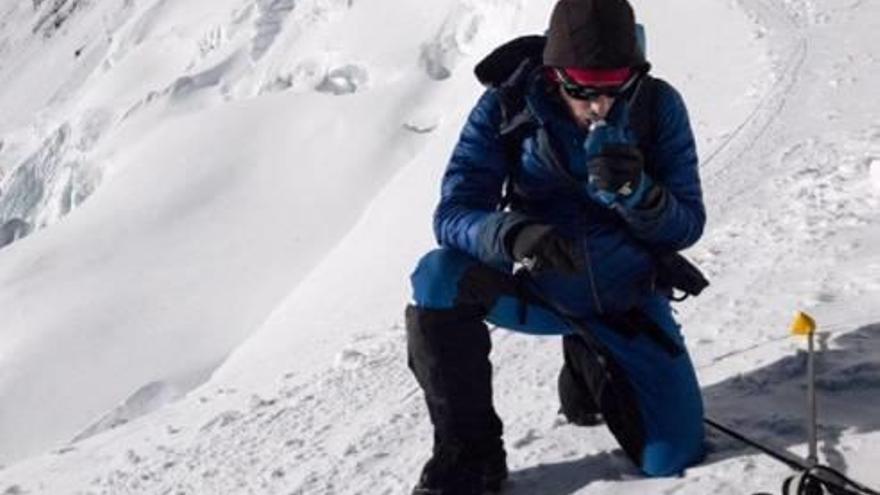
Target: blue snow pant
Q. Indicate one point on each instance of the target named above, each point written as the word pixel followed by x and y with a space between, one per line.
pixel 634 365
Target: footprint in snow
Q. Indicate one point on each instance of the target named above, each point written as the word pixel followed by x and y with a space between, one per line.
pixel 422 122
pixel 529 438
pixel 350 359
pixel 222 420
pixel 343 80
pixel 257 402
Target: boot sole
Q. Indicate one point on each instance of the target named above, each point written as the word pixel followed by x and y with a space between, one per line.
pixel 492 487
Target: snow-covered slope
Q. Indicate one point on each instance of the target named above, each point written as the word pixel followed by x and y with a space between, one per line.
pixel 263 177
pixel 217 189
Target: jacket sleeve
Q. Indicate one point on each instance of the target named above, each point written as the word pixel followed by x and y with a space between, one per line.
pixel 466 218
pixel 676 216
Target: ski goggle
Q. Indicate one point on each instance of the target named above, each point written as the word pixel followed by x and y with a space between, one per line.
pixel 589 93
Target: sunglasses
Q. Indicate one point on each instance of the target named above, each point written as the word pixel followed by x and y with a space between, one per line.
pixel 589 93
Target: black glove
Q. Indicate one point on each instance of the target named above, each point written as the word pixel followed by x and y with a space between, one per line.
pixel 617 173
pixel 540 248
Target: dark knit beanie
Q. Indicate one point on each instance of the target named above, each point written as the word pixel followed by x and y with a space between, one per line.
pixel 592 34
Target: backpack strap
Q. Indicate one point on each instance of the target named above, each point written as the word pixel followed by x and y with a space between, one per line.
pixel 509 69
pixel 643 118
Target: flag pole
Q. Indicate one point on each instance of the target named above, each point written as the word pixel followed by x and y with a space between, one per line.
pixel 803 324
pixel 812 457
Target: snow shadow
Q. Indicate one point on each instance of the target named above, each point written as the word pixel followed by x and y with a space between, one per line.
pixel 767 404
pixel 565 478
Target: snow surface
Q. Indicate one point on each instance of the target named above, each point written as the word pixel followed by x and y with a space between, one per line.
pixel 210 210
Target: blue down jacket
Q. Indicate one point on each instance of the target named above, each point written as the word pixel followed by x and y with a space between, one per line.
pixel 617 244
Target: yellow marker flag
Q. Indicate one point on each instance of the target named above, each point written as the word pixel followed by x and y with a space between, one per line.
pixel 803 324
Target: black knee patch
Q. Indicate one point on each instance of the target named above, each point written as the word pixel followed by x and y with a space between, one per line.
pixel 576 401
pixel 595 375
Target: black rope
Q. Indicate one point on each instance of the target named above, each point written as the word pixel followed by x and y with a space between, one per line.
pixel 820 479
pixel 810 480
pixel 786 458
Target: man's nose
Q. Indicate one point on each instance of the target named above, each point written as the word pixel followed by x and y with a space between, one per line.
pixel 600 105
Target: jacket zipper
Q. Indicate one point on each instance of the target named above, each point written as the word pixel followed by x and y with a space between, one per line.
pixel 582 221
pixel 586 248
pixel 557 164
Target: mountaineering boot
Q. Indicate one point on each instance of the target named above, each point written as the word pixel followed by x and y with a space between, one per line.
pixel 599 384
pixel 495 470
pixel 448 352
pixel 461 470
pixel 576 400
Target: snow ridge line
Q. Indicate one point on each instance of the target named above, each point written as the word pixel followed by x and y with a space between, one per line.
pixel 790 64
pixel 762 116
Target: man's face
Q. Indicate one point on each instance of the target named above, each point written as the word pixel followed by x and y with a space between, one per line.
pixel 585 112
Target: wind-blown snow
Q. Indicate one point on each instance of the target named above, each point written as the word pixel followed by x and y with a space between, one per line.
pixel 874 165
pixel 210 211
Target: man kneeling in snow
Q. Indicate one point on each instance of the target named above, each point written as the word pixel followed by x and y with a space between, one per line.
pixel 601 180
